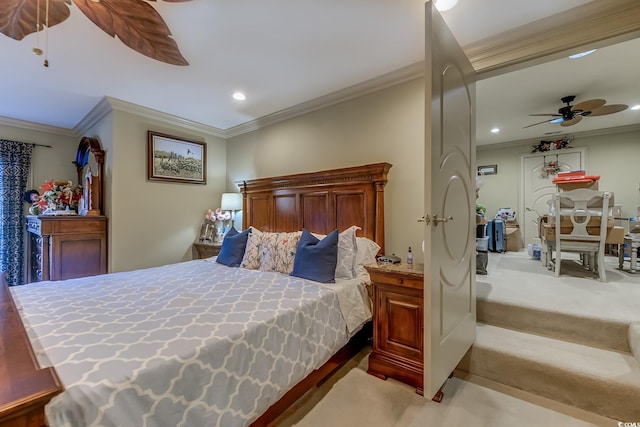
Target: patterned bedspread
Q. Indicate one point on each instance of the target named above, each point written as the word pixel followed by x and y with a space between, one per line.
pixel 188 344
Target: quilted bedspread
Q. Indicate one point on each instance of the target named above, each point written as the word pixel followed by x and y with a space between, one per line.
pixel 188 344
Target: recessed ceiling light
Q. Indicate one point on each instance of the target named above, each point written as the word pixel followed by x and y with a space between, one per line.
pixel 581 54
pixel 239 96
pixel 495 130
pixel 636 107
pixel 443 5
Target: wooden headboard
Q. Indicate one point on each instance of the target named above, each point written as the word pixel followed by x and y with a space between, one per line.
pixel 319 201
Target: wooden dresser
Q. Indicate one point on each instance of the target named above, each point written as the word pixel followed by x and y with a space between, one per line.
pixel 206 250
pixel 398 310
pixel 66 247
pixel 25 388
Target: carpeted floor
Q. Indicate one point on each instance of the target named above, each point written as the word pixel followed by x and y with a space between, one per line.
pixel 515 278
pixel 358 398
pixel 352 397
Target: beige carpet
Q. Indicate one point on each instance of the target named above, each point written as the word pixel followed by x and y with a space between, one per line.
pixel 516 287
pixel 567 338
pixel 361 399
pixel 517 279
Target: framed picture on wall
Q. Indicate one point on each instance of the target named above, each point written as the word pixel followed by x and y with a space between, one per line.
pixel 170 158
pixel 488 170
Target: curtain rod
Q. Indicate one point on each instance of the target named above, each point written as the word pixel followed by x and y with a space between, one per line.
pixel 40 145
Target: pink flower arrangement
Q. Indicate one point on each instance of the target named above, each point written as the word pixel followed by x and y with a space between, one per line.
pixel 217 215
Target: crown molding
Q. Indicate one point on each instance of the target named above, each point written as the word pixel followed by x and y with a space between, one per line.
pixel 23 124
pixel 535 141
pixel 108 104
pixel 594 24
pixel 393 78
pixel 97 113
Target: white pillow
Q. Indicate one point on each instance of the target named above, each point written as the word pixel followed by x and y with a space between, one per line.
pixel 347 251
pixel 367 251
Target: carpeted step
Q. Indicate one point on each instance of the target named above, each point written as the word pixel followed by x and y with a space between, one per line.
pixel 600 381
pixel 634 340
pixel 597 332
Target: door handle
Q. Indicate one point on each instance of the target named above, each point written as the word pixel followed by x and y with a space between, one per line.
pixel 425 219
pixel 529 209
pixel 436 219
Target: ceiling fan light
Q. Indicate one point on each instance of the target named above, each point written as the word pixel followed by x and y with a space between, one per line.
pixel 558 120
pixel 582 54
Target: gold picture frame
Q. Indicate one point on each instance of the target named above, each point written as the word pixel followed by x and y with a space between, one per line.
pixel 175 159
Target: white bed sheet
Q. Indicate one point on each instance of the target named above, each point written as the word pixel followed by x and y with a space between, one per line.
pixel 187 344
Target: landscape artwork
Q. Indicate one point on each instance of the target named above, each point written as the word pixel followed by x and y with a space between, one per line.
pixel 176 159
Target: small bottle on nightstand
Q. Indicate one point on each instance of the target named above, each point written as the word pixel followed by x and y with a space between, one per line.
pixel 409 257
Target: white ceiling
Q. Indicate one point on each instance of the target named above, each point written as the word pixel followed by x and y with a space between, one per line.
pixel 506 101
pixel 287 52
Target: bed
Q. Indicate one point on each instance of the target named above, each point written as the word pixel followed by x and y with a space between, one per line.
pixel 200 343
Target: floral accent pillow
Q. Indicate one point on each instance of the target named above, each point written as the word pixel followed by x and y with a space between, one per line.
pixel 253 250
pixel 279 251
pixel 347 250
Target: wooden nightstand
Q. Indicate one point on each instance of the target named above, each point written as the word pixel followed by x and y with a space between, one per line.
pixel 398 349
pixel 207 250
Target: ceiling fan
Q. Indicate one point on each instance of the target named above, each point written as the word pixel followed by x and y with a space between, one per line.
pixel 569 115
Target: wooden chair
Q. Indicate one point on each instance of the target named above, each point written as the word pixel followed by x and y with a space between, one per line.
pixel 583 207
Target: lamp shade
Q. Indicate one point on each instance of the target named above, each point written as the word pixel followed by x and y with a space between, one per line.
pixel 231 202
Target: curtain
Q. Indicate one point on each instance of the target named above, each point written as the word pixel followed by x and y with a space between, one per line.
pixel 15 161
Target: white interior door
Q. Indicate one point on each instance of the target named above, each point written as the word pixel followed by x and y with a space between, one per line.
pixel 538 186
pixel 449 289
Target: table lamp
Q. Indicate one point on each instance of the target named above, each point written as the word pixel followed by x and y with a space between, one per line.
pixel 231 202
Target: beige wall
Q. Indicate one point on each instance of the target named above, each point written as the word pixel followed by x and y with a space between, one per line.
pixel 155 223
pixel 613 156
pixel 386 126
pixel 47 163
pixel 152 223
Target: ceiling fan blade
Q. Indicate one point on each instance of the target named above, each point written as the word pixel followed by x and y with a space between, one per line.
pixel 539 123
pixel 608 109
pixel 576 119
pixel 589 105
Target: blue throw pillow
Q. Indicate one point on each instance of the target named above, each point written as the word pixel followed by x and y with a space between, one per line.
pixel 316 259
pixel 233 246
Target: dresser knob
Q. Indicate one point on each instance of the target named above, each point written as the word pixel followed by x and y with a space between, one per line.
pixel 400 281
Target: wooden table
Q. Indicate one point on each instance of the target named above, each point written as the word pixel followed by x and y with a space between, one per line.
pixel 615 235
pixel 207 250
